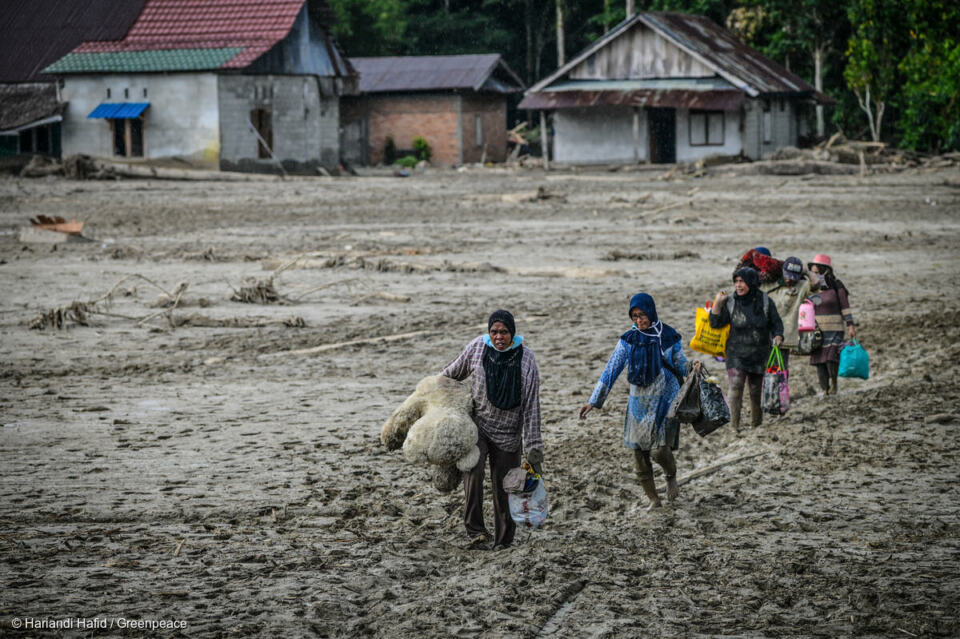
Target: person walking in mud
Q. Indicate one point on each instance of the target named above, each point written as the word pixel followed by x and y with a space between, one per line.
pixel 506 410
pixel 653 355
pixel 834 317
pixel 796 283
pixel 753 320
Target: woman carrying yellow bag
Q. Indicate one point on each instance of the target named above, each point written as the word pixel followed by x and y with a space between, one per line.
pixel 706 339
pixel 754 323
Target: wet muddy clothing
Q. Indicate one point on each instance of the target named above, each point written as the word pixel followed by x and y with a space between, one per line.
pixel 501 462
pixel 832 310
pixel 505 428
pixel 662 455
pixel 645 425
pixel 751 330
pixel 788 300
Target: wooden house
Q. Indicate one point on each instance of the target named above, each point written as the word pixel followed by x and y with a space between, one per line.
pixel 667 87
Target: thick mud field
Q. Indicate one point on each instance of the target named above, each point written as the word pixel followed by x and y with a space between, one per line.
pixel 218 465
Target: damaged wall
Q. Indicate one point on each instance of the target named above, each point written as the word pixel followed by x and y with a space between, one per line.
pixel 173 127
pixel 305 117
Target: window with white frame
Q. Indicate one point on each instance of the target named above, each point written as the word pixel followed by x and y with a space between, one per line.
pixel 706 128
pixel 478 129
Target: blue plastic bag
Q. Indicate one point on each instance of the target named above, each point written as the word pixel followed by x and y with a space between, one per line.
pixel 529 509
pixel 854 361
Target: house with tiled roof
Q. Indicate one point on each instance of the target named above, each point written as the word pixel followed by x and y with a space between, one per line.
pixel 34 34
pixel 667 87
pixel 457 103
pixel 246 85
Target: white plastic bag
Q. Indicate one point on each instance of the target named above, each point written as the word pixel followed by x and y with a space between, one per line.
pixel 529 510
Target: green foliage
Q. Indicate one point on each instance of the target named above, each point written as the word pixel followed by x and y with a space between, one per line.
pixel 422 148
pixel 407 162
pixel 370 27
pixel 389 150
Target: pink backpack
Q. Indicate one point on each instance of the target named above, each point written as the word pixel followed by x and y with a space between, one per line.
pixel 807 321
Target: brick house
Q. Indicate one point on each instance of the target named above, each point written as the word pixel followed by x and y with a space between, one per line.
pixel 457 103
pixel 243 85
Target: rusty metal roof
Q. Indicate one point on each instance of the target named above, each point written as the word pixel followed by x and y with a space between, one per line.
pixel 722 100
pixel 743 67
pixel 486 72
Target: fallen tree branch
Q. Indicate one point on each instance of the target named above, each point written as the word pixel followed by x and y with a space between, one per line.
pixel 706 470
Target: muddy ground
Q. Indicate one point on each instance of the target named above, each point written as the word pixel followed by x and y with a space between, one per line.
pixel 227 473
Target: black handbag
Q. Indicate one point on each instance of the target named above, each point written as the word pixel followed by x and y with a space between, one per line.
pixel 810 341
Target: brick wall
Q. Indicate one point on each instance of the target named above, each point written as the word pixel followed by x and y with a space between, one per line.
pixel 491 110
pixel 403 117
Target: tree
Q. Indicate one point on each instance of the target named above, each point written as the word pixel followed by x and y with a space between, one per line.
pixel 872 55
pixel 805 28
pixel 931 77
pixel 369 27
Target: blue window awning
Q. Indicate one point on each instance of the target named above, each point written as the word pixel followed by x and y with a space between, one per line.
pixel 121 110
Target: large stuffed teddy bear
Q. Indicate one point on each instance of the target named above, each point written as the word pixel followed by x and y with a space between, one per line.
pixel 434 427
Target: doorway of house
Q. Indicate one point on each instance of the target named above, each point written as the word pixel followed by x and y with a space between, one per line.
pixel 662 125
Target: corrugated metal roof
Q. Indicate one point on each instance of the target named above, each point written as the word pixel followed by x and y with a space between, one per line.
pixel 723 50
pixel 724 100
pixel 435 73
pixel 119 110
pixel 36 33
pixel 742 66
pixel 22 104
pixel 144 61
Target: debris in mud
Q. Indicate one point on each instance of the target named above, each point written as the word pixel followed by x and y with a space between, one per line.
pixel 77 312
pixel 258 292
pixel 57 223
pixel 60 316
pixel 202 321
pixel 617 255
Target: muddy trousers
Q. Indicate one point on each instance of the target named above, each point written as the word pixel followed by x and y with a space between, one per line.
pixel 662 455
pixel 827 376
pixel 738 379
pixel 501 461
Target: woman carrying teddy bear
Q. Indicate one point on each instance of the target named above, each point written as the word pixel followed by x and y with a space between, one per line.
pixel 506 410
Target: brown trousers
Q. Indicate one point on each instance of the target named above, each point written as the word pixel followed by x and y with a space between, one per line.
pixel 501 462
pixel 662 455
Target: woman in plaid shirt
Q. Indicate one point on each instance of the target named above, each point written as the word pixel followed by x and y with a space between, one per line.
pixel 506 409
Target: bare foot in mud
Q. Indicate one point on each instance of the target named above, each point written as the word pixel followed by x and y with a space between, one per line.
pixel 654 505
pixel 673 490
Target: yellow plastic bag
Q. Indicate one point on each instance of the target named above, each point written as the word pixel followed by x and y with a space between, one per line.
pixel 707 340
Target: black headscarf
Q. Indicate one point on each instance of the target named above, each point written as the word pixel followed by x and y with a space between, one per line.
pixel 751 279
pixel 502 368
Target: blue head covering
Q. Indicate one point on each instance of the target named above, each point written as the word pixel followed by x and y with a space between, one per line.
pixel 763 250
pixel 649 346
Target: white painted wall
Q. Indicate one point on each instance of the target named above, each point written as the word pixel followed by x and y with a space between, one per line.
pixel 182 121
pixel 597 135
pixel 732 140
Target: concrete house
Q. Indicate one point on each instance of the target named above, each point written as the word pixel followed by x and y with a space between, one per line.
pixel 240 85
pixel 457 103
pixel 667 87
pixel 34 34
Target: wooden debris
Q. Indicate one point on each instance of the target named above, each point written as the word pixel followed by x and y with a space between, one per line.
pixel 57 223
pixel 259 292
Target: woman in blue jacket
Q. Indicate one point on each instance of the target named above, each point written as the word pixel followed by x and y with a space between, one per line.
pixel 653 355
